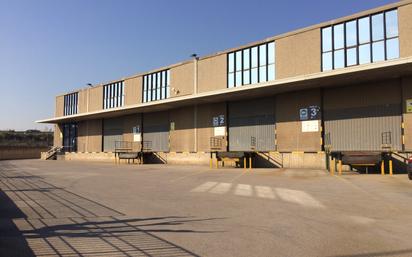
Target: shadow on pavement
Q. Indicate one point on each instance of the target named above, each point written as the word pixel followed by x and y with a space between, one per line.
pixel 39 219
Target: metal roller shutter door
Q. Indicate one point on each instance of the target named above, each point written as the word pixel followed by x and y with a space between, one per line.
pixel 252 125
pixel 370 126
pixel 156 131
pixel 112 132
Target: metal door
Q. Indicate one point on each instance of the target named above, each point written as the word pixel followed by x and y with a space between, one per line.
pixel 156 132
pixel 112 132
pixel 70 137
pixel 363 118
pixel 252 125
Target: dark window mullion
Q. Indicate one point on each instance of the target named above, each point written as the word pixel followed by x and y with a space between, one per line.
pixel 384 36
pixel 258 63
pixel 267 60
pixel 164 74
pixel 161 84
pixel 333 47
pixel 344 46
pixel 370 38
pixel 250 65
pixel 227 70
pixel 242 67
pixel 234 69
pixel 357 42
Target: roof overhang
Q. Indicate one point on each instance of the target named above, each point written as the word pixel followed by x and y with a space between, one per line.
pixel 352 75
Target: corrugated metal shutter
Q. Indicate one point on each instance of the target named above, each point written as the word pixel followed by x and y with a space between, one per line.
pixel 112 132
pixel 252 125
pixel 156 131
pixel 373 125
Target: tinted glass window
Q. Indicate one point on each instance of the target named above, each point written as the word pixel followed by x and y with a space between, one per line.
pixel 239 60
pixel 351 56
pixel 364 30
pixel 271 72
pixel 351 34
pixel 231 62
pixel 377 27
pixel 262 74
pixel 246 59
pixel 262 55
pixel 246 77
pixel 364 40
pixel 254 78
pixel 378 51
pixel 231 80
pixel 339 59
pixel 327 61
pixel 338 36
pixel 392 23
pixel 254 57
pixel 238 77
pixel 327 39
pixel 156 85
pixel 251 65
pixel 392 48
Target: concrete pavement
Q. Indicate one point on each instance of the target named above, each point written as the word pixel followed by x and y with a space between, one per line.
pixel 91 209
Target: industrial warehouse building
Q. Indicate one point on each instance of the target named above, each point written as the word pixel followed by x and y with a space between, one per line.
pixel 294 100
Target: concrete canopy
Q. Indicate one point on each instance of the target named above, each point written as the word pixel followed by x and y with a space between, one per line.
pixel 352 75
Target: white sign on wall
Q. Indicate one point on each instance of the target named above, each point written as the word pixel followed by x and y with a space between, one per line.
pixel 219 131
pixel 137 137
pixel 310 126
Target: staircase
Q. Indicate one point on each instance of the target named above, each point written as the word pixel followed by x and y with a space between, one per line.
pixel 51 154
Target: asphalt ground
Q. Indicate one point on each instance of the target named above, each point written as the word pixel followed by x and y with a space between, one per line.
pixel 67 208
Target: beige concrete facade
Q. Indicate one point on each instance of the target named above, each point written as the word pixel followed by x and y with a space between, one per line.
pixel 58 136
pixel 405 30
pixel 182 79
pixel 96 98
pixel 59 106
pixel 212 73
pixel 289 134
pixel 299 83
pixel 89 137
pixel 83 101
pixel 133 90
pixel 298 54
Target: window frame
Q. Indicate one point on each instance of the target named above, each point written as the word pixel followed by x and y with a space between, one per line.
pixel 234 74
pixel 359 45
pixel 70 104
pixel 157 86
pixel 113 95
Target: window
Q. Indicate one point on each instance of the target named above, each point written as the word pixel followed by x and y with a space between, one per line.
pixel 251 65
pixel 156 86
pixel 368 39
pixel 71 104
pixel 113 95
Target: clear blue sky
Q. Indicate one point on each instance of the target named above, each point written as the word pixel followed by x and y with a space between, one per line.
pixel 48 47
